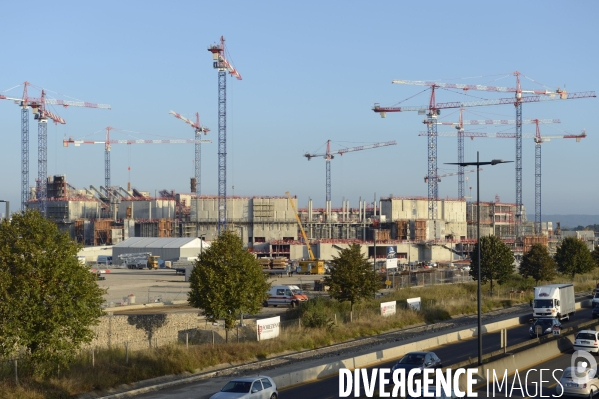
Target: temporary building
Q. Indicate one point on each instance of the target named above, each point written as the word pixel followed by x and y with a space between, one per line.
pixel 169 249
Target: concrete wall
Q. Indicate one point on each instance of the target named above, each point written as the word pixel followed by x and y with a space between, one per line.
pixel 150 209
pixel 143 331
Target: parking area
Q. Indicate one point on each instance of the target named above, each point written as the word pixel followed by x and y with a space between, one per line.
pixel 165 285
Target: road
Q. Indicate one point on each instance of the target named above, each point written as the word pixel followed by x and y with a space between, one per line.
pixel 449 354
pixel 329 387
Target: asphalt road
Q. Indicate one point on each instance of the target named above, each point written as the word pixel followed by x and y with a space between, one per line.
pixel 329 387
pixel 449 354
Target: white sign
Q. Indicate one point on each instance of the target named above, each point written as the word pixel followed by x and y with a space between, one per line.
pixel 392 263
pixel 414 303
pixel 387 308
pixel 268 328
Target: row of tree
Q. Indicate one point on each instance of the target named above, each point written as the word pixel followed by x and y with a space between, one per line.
pixel 497 261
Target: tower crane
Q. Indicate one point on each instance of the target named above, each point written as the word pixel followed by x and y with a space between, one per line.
pixel 330 155
pixel 38 106
pixel 198 148
pixel 108 143
pixel 451 174
pixel 460 128
pixel 433 110
pixel 538 139
pixel 223 66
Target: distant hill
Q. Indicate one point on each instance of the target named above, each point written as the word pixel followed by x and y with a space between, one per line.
pixel 568 221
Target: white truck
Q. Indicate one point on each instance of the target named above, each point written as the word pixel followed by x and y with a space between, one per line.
pixel 554 300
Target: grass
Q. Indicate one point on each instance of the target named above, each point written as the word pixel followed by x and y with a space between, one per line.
pixel 331 320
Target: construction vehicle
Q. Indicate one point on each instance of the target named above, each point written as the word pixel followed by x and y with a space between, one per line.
pixel 314 265
pixel 140 260
pixel 153 262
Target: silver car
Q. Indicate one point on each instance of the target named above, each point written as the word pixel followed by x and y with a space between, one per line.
pixel 260 387
pixel 586 384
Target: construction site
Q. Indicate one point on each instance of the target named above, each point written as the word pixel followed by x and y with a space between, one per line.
pixel 415 229
pixel 269 228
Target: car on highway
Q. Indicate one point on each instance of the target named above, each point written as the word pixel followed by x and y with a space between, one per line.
pixel 545 325
pixel 595 312
pixel 260 387
pixel 587 340
pixel 421 360
pixel 585 385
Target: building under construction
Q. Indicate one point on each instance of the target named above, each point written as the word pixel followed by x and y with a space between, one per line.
pixel 268 226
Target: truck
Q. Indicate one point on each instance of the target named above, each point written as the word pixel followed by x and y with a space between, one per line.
pixel 553 300
pixel 285 295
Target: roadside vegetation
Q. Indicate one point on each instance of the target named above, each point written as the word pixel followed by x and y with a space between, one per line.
pixel 324 322
pixel 351 312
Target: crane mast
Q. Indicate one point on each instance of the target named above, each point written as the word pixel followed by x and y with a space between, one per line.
pixel 433 109
pixel 108 144
pixel 198 129
pixel 223 66
pixel 38 105
pixel 329 155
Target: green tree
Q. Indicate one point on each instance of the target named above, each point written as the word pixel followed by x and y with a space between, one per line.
pixel 227 281
pixel 496 261
pixel 573 257
pixel 595 255
pixel 352 278
pixel 48 301
pixel 538 264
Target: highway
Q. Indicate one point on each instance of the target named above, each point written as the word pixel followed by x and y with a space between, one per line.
pixel 329 387
pixel 449 354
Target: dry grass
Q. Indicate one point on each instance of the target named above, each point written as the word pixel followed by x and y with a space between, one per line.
pixel 438 303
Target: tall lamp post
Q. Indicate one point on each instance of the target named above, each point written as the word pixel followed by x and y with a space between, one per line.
pixel 478 163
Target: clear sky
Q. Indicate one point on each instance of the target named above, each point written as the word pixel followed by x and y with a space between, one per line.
pixel 311 72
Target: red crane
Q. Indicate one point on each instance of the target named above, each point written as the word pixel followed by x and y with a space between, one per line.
pixel 198 147
pixel 38 105
pixel 330 155
pixel 108 142
pixel 538 139
pixel 460 127
pixel 433 110
pixel 222 64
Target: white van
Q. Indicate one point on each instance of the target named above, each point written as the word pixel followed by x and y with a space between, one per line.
pixel 104 260
pixel 285 295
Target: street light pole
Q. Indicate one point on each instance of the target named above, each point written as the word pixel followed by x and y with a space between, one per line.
pixel 480 330
pixel 478 163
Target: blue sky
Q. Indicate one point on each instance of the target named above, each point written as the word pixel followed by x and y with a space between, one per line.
pixel 311 72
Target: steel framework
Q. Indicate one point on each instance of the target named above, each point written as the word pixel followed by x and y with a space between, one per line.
pixel 223 66
pixel 329 155
pixel 198 129
pixel 537 96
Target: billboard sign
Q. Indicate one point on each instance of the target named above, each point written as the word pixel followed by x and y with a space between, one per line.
pixel 391 263
pixel 388 308
pixel 414 303
pixel 268 328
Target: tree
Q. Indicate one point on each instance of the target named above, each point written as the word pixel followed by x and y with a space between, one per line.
pixel 573 257
pixel 227 280
pixel 496 258
pixel 48 300
pixel 595 255
pixel 538 264
pixel 352 278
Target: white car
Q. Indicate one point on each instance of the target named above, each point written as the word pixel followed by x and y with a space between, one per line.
pixel 586 386
pixel 260 387
pixel 587 340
